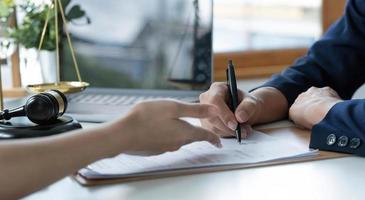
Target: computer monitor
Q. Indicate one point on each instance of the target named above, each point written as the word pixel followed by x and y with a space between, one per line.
pixel 142 44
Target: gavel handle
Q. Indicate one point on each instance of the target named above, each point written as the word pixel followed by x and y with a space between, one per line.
pixel 16 112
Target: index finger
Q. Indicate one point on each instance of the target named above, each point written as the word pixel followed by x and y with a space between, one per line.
pixel 225 113
pixel 195 110
pixel 217 96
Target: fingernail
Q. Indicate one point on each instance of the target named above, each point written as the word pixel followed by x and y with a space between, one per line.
pixel 244 133
pixel 232 125
pixel 219 145
pixel 242 116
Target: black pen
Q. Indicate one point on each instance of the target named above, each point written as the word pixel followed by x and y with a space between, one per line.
pixel 233 95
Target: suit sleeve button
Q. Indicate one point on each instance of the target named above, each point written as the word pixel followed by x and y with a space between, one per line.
pixel 331 139
pixel 355 143
pixel 343 141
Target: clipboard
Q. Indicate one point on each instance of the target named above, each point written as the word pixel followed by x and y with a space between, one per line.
pixel 296 135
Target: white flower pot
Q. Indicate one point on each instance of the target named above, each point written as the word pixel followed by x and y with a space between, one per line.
pixel 47 60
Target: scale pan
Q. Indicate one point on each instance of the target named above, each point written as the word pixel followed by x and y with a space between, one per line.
pixel 66 87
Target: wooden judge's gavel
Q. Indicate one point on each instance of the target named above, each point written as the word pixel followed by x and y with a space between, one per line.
pixel 43 108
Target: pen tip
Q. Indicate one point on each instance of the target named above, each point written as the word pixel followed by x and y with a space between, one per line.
pixel 230 62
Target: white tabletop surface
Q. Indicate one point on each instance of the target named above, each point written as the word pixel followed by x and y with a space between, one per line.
pixel 333 179
pixel 327 179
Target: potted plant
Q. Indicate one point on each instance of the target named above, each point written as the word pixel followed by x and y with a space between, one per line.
pixel 6 9
pixel 28 32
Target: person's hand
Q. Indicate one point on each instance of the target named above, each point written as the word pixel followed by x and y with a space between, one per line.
pixel 311 106
pixel 155 127
pixel 225 121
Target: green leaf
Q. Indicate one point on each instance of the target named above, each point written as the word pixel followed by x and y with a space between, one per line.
pixel 75 13
pixel 5 10
pixel 28 33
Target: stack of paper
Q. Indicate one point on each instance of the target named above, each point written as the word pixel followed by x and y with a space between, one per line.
pixel 259 147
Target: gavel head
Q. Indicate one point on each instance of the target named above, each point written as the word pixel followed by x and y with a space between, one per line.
pixel 46 107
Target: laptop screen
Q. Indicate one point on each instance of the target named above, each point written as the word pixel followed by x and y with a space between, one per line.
pixel 144 44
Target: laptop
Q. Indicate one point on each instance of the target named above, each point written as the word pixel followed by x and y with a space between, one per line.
pixel 136 50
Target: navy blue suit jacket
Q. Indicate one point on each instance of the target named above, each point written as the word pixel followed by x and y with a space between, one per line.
pixel 337 60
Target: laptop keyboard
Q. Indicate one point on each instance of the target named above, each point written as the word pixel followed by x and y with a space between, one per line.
pixel 119 100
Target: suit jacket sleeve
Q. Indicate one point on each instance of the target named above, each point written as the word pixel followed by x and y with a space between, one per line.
pixel 342 129
pixel 337 60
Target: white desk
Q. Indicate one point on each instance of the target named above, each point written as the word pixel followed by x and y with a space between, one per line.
pixel 327 179
pixel 340 179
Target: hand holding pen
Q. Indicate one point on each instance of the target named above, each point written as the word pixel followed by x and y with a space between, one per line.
pixel 225 122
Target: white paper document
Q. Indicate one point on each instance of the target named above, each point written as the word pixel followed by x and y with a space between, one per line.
pixel 259 147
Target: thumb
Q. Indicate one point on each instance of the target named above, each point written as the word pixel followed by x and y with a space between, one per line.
pixel 246 109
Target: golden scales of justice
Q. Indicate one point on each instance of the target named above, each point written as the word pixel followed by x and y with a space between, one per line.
pixel 63 86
